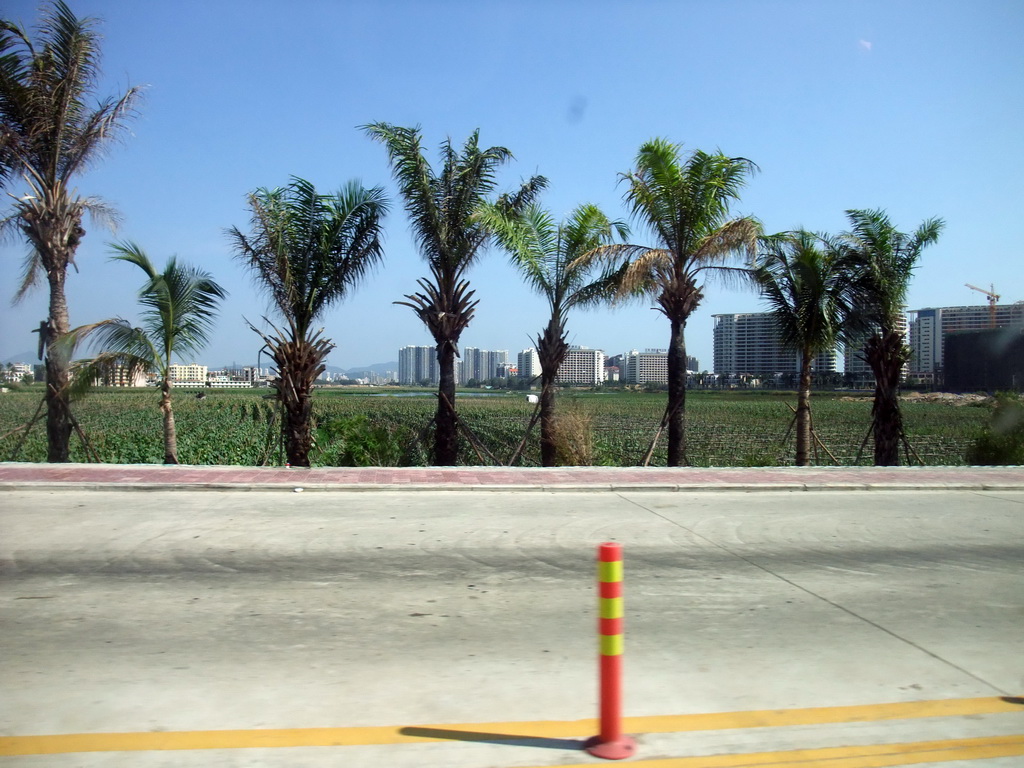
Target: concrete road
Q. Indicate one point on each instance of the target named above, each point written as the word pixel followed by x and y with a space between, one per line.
pixel 274 613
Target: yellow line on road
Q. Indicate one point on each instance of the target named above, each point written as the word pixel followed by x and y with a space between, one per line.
pixel 869 756
pixel 51 744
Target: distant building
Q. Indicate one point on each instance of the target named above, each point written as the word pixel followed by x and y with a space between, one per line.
pixel 191 374
pixel 930 328
pixel 649 366
pixel 418 364
pixel 856 368
pixel 528 363
pixel 123 376
pixel 15 372
pixel 481 364
pixel 582 367
pixel 749 343
pixel 989 360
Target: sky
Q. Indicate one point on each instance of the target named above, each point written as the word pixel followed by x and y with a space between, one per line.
pixel 912 106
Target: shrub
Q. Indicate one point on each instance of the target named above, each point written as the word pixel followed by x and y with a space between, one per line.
pixel 1002 441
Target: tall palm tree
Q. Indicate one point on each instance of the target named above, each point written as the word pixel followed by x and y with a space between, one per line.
pixel 553 258
pixel 180 304
pixel 442 207
pixel 806 284
pixel 884 259
pixel 685 202
pixel 49 132
pixel 308 251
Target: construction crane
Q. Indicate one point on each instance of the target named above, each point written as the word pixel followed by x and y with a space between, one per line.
pixel 993 299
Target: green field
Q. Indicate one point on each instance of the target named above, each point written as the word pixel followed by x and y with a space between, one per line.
pixel 241 427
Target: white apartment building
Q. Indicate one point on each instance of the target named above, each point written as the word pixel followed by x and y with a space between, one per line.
pixel 582 367
pixel 417 364
pixel 930 327
pixel 651 365
pixel 15 372
pixel 749 343
pixel 192 373
pixel 528 363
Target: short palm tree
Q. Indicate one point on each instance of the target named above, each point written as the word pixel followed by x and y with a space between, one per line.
pixel 807 287
pixel 685 202
pixel 49 132
pixel 443 207
pixel 554 260
pixel 884 260
pixel 180 304
pixel 307 251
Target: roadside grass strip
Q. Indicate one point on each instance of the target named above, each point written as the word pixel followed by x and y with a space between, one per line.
pixel 870 756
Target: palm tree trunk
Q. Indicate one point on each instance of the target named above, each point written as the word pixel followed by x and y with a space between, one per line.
pixel 446 446
pixel 170 433
pixel 551 349
pixel 298 438
pixel 548 443
pixel 677 394
pixel 886 355
pixel 58 402
pixel 803 412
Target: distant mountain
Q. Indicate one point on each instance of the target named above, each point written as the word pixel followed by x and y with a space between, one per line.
pixel 361 370
pixel 31 359
pixel 356 372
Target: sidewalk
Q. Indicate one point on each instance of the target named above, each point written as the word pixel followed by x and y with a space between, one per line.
pixel 215 477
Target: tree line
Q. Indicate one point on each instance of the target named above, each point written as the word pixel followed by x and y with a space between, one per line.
pixel 308 249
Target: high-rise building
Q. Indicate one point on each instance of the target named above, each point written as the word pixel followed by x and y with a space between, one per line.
pixel 749 343
pixel 651 365
pixel 418 364
pixel 930 327
pixel 582 366
pixel 856 367
pixel 528 363
pixel 481 364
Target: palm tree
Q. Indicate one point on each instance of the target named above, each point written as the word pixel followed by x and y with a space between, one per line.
pixel 884 259
pixel 442 207
pixel 307 251
pixel 686 203
pixel 48 134
pixel 553 259
pixel 180 304
pixel 806 284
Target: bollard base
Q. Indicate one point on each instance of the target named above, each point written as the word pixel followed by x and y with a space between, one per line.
pixel 619 749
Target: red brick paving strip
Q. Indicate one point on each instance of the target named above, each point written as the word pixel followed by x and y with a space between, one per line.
pixel 157 476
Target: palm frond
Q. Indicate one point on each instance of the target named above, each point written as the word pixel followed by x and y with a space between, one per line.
pixel 309 250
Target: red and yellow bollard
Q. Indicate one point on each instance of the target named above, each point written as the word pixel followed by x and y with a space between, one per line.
pixel 611 743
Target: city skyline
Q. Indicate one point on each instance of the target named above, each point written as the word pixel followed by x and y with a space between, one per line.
pixel 872 105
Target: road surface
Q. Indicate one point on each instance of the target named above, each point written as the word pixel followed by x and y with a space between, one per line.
pixel 387 617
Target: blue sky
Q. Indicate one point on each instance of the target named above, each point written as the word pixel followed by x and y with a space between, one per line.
pixel 911 106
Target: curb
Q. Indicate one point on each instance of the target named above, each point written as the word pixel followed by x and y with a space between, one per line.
pixel 51 486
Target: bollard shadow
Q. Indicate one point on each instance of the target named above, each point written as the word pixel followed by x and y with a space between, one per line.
pixel 1013 699
pixel 507 739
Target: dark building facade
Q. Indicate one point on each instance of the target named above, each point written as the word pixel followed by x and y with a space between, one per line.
pixel 991 360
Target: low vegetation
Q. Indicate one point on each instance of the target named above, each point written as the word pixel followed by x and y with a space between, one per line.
pixel 363 429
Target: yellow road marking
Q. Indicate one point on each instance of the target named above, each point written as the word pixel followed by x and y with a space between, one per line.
pixel 51 744
pixel 869 756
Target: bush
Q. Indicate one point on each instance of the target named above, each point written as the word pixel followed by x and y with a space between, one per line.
pixel 1002 442
pixel 354 441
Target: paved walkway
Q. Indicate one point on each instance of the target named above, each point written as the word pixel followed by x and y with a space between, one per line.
pixel 156 476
